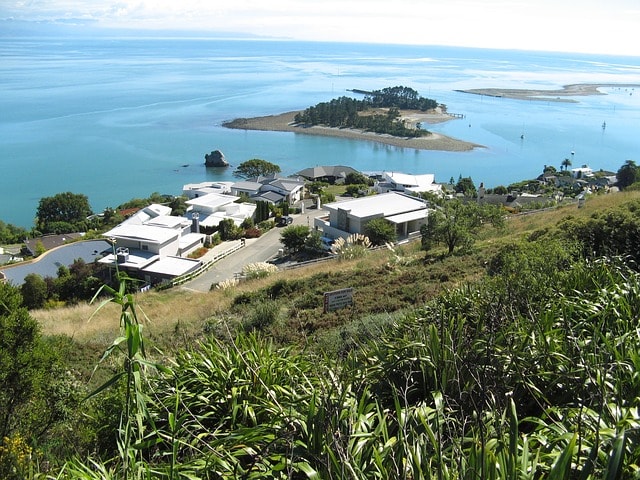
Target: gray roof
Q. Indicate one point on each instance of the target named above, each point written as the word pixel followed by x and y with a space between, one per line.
pixel 247 185
pixel 50 241
pixel 326 171
pixel 287 184
pixel 271 197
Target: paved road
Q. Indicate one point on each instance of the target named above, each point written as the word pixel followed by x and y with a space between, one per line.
pixel 255 250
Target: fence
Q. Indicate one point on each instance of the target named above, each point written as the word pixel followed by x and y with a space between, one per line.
pixel 198 271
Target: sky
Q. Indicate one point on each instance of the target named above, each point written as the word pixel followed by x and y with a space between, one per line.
pixel 587 26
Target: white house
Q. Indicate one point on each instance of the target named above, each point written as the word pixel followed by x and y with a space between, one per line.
pixel 581 172
pixel 195 190
pixel 214 207
pixel 402 182
pixel 144 241
pixel 408 213
pixel 246 187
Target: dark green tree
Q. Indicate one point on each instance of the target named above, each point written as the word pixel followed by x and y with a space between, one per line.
pixel 380 231
pixel 466 186
pixel 356 190
pixel 294 236
pixel 628 174
pixel 79 281
pixel 34 291
pixel 155 197
pixel 64 211
pixel 457 223
pixel 228 230
pixel 28 370
pixel 11 233
pixel 317 187
pixel 357 178
pixel 313 243
pixel 178 206
pixel 255 168
pixel 262 212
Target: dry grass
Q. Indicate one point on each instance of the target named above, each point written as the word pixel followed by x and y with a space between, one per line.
pixel 162 311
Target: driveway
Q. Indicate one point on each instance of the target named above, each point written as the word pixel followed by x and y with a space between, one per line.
pixel 255 250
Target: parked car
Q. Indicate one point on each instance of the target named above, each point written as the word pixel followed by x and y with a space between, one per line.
pixel 284 221
pixel 327 243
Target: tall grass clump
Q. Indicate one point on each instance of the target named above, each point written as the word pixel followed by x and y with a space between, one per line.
pixel 136 421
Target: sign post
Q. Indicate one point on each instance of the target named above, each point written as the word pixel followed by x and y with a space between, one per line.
pixel 338 299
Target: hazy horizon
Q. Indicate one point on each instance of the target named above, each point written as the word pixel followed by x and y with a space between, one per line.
pixel 541 25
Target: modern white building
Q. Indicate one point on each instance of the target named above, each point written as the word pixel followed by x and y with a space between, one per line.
pixel 151 245
pixel 195 190
pixel 246 187
pixel 408 213
pixel 211 209
pixel 402 182
pixel 581 172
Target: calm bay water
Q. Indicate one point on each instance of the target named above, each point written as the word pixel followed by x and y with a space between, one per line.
pixel 121 118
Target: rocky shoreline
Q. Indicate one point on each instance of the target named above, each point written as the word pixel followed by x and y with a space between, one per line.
pixel 284 122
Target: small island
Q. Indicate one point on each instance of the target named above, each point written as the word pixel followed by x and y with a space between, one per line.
pixel 392 116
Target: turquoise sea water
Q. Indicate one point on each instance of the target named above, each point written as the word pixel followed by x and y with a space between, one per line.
pixel 117 118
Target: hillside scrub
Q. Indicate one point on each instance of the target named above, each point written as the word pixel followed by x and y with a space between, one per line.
pixel 458 388
pixel 515 360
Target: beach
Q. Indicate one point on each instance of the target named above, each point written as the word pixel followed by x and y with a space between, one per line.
pixel 284 122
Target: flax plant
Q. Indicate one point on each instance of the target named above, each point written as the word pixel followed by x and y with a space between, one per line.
pixel 136 421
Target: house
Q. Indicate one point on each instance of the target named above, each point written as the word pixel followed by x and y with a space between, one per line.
pixel 214 207
pixel 402 182
pixel 274 189
pixel 571 182
pixel 151 245
pixel 246 187
pixel 407 212
pixel 515 200
pixel 581 172
pixel 35 246
pixel 195 190
pixel 329 173
pixel 291 189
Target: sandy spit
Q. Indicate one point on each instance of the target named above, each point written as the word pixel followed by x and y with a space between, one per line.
pixel 559 95
pixel 284 123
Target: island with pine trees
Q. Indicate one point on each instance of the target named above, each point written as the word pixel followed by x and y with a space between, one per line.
pixel 393 116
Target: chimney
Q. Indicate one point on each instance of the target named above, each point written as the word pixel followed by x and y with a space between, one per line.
pixel 195 222
pixel 122 255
